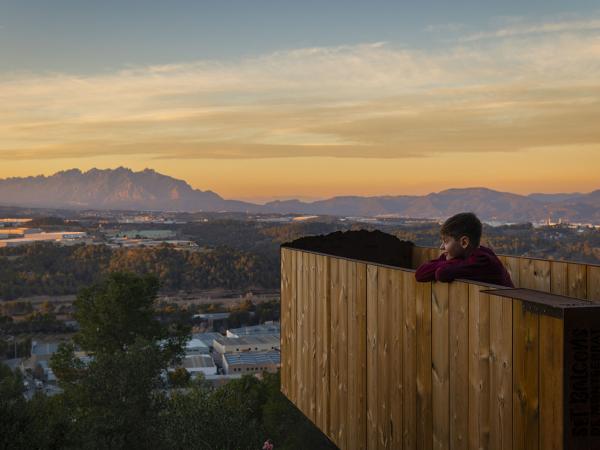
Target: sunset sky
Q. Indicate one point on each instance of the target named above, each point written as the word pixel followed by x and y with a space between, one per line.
pixel 257 100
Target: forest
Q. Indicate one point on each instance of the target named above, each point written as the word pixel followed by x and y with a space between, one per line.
pixel 245 254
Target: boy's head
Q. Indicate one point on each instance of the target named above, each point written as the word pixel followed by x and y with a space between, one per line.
pixel 460 235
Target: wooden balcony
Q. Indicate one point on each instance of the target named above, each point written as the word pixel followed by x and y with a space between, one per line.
pixel 378 360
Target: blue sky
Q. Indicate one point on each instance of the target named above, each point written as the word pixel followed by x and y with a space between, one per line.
pixel 89 36
pixel 259 100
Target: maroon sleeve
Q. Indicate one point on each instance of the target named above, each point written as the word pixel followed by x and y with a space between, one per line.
pixel 426 271
pixel 462 268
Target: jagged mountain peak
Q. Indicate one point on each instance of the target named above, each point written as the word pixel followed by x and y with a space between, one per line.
pixel 123 188
pixel 119 188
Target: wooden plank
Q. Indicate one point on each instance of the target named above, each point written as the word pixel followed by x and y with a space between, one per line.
pixel 299 336
pixel 334 369
pixel 383 357
pixel 311 341
pixel 479 369
pixel 559 280
pixel 351 417
pixel 534 274
pixel 356 419
pixel 294 328
pixel 284 296
pixel 577 280
pixel 409 362
pixel 440 386
pixel 526 276
pixel 424 406
pixel 526 425
pixel 322 335
pixel 551 383
pixel 303 302
pixel 372 357
pixel 458 314
pixel 512 266
pixel 397 348
pixel 501 425
pixel 593 283
pixel 343 352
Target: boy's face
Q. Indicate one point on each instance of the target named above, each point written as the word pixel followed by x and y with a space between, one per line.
pixel 454 248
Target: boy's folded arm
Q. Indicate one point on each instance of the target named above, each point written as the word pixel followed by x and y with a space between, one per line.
pixel 459 269
pixel 426 271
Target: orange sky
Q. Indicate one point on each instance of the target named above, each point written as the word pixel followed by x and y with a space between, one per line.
pixel 515 111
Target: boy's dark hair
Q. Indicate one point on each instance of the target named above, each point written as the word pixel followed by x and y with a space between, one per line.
pixel 463 224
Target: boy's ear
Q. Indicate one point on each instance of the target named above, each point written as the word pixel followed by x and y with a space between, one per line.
pixel 464 241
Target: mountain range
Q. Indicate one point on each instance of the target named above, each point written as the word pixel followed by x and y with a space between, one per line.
pixel 125 189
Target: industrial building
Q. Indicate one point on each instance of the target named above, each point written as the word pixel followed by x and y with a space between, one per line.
pixel 62 237
pixel 254 362
pixel 197 346
pixel 196 364
pixel 260 343
pixel 256 330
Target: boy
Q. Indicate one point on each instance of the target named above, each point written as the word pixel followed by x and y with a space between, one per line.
pixel 462 256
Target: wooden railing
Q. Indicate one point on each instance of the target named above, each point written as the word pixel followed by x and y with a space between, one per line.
pixel 377 360
pixel 568 278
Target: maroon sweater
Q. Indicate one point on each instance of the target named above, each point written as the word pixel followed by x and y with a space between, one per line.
pixel 482 265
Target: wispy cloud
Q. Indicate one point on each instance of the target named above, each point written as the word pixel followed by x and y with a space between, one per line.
pixel 372 100
pixel 521 29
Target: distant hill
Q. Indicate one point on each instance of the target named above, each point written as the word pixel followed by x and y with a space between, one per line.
pixel 119 188
pixel 125 189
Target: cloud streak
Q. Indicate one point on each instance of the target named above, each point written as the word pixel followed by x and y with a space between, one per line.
pixel 363 101
pixel 531 29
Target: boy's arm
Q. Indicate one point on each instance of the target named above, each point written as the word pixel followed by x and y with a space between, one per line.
pixel 461 268
pixel 426 271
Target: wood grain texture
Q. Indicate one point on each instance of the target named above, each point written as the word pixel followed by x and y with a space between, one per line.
pixel 501 422
pixel 294 339
pixel 372 358
pixel 559 278
pixel 396 360
pixel 285 301
pixel 577 280
pixel 357 354
pixel 409 363
pixel 534 274
pixel 593 283
pixel 526 426
pixel 343 351
pixel 322 341
pixel 424 406
pixel 512 266
pixel 440 382
pixel 479 369
pixel 458 314
pixel 551 383
pixel 334 368
pixel 303 302
pixel 311 338
pixel 383 357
